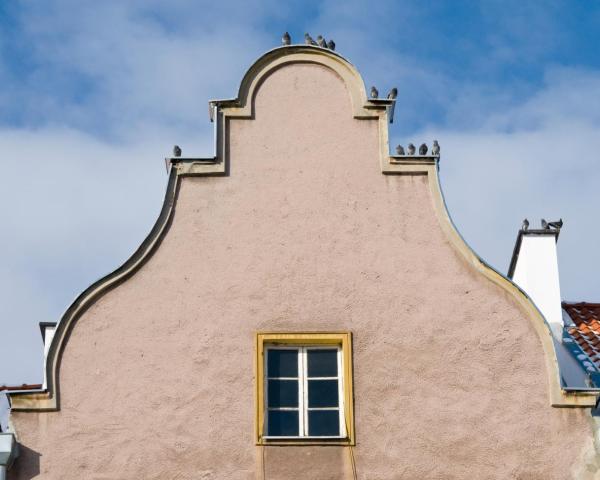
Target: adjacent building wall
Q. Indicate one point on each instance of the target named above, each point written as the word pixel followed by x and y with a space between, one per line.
pixel 4 412
pixel 305 234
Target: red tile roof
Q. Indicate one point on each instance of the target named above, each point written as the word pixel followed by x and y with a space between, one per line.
pixel 25 386
pixel 586 331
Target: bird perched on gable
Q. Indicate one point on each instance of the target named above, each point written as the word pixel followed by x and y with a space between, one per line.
pixel 545 225
pixel 423 149
pixel 525 225
pixel 435 150
pixel 557 225
pixel 374 93
pixel 331 45
pixel 309 40
pixel 393 94
pixel 286 39
pixel 321 41
pixel 411 149
pixel 176 151
pixel 400 150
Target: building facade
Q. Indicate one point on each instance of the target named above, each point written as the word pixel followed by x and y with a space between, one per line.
pixel 303 309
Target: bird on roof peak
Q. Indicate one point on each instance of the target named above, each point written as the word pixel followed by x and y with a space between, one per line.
pixel 393 93
pixel 321 42
pixel 176 151
pixel 331 45
pixel 309 40
pixel 286 39
pixel 525 225
pixel 556 224
pixel 374 92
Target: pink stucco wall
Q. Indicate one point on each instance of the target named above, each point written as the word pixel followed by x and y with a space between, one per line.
pixel 305 234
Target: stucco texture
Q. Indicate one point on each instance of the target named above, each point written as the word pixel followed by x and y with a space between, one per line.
pixel 305 234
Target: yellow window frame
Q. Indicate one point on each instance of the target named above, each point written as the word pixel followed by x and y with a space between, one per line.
pixel 342 339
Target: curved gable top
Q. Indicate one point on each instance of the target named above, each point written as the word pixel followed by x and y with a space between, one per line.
pixel 362 107
pixel 241 107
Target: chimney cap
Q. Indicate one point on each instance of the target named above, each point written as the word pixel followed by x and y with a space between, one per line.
pixel 44 326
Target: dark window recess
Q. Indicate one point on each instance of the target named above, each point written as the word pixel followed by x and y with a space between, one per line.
pixel 283 393
pixel 322 363
pixel 282 363
pixel 323 423
pixel 283 423
pixel 322 393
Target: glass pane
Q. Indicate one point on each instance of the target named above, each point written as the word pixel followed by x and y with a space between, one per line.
pixel 283 423
pixel 283 393
pixel 322 393
pixel 282 363
pixel 323 423
pixel 322 363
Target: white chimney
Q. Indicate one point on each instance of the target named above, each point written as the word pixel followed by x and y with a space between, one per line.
pixel 47 329
pixel 534 268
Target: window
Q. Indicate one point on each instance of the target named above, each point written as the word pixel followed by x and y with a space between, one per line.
pixel 304 392
pixel 304 388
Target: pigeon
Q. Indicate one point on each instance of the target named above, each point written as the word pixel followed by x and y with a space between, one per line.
pixel 435 150
pixel 176 151
pixel 400 150
pixel 286 39
pixel 423 149
pixel 309 40
pixel 557 225
pixel 374 93
pixel 321 41
pixel 525 225
pixel 545 225
pixel 331 45
pixel 393 93
pixel 411 149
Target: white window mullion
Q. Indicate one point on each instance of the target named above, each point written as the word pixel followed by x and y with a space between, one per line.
pixel 341 393
pixel 305 390
pixel 301 396
pixel 266 394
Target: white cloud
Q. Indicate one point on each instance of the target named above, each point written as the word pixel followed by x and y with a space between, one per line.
pixel 121 66
pixel 539 159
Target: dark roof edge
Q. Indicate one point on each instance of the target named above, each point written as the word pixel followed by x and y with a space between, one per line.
pixel 517 248
pixel 584 391
pixel 564 303
pixel 24 387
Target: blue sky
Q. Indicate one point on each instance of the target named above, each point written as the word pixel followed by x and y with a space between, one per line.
pixel 94 95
